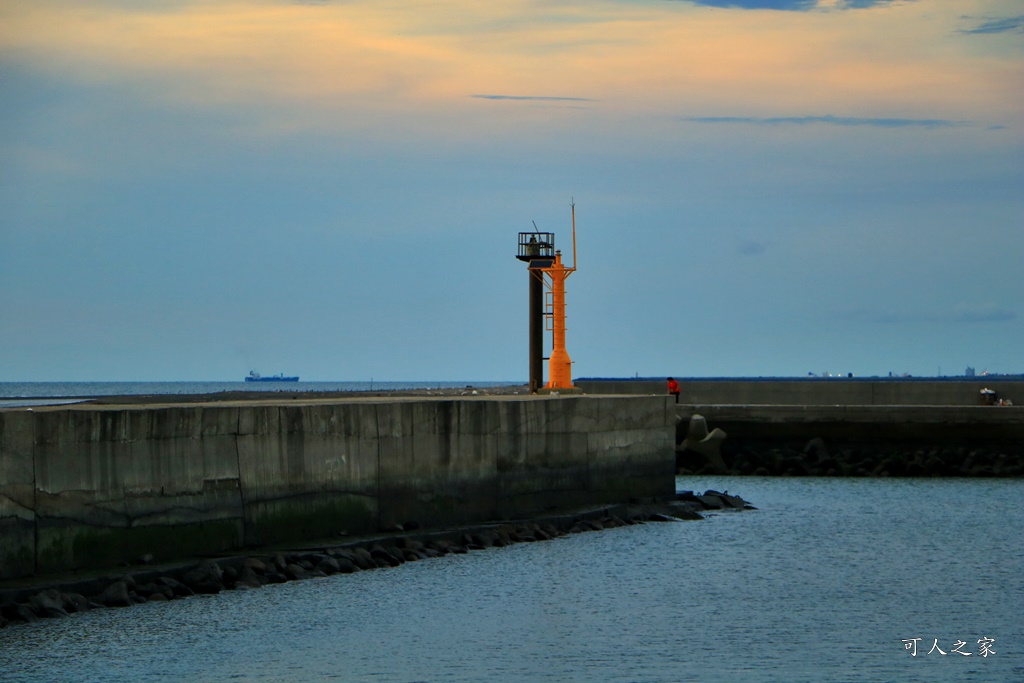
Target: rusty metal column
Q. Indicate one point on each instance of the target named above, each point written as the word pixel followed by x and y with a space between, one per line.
pixel 536 329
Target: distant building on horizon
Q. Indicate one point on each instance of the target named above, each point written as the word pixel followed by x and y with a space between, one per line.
pixel 969 372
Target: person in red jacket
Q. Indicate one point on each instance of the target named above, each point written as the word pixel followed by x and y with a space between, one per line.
pixel 673 388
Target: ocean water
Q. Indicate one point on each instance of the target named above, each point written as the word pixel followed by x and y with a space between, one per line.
pixel 829 580
pixel 14 394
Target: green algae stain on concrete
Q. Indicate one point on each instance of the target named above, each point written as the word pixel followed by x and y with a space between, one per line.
pixel 300 519
pixel 18 562
pixel 76 548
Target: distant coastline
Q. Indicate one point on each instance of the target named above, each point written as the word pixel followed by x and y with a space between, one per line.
pixel 817 378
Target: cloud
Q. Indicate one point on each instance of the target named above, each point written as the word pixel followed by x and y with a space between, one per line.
pixel 884 122
pixel 982 313
pixel 749 247
pixel 985 313
pixel 533 98
pixel 1006 25
pixel 791 5
pixel 788 5
pixel 863 4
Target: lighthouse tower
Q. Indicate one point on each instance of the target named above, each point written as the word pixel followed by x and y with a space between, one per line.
pixel 547 271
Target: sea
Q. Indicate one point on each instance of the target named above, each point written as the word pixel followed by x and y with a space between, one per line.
pixel 17 394
pixel 828 580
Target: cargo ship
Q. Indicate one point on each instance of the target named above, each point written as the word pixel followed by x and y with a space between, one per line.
pixel 257 377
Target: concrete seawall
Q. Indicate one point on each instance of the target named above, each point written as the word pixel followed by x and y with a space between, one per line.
pixel 843 426
pixel 921 441
pixel 97 486
pixel 820 391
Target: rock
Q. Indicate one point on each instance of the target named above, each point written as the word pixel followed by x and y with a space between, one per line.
pixel 230 577
pixel 115 595
pixel 206 578
pixel 817 448
pixel 733 501
pixel 24 613
pixel 410 544
pixel 483 539
pixel 313 558
pixel 179 589
pixel 296 572
pixel 255 564
pixel 73 602
pixel 697 429
pixel 328 565
pixel 380 553
pixel 48 603
pixel 346 565
pixel 249 578
pixel 712 502
pixel 150 590
pixel 658 517
pixel 684 510
pixel 363 558
pixel 702 450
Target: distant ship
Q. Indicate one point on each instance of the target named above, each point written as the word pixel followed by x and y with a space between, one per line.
pixel 256 377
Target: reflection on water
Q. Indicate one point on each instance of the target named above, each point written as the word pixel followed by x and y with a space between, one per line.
pixel 822 583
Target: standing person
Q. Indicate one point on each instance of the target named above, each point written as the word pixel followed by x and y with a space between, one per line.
pixel 673 388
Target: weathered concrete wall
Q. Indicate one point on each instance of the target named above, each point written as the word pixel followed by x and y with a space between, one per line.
pixel 950 441
pixel 818 392
pixel 85 486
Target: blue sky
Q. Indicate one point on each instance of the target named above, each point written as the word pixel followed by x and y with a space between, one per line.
pixel 191 190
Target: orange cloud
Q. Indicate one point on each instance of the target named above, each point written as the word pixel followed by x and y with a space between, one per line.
pixel 366 59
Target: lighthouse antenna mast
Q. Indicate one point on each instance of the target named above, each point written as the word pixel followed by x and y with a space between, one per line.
pixel 572 205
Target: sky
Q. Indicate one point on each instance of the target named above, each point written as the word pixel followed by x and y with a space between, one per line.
pixel 190 190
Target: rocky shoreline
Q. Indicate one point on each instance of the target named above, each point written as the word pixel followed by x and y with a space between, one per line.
pixel 30 601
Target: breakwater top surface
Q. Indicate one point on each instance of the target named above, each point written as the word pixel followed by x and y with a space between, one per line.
pixel 826 392
pixel 825 578
pixel 17 394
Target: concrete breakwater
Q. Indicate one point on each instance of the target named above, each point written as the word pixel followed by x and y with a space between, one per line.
pixel 245 571
pixel 873 427
pixel 104 485
pixel 851 441
pixel 820 391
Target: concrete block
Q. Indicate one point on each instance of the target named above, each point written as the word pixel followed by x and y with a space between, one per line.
pixel 17 495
